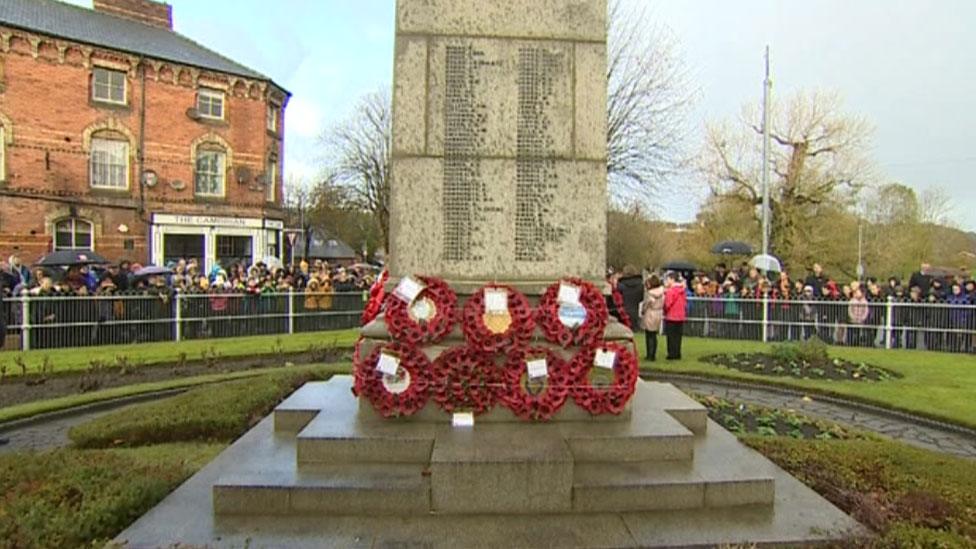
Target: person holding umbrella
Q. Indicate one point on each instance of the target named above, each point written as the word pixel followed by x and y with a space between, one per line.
pixel 675 314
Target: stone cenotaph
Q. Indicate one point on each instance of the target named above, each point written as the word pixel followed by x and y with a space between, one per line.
pixel 498 218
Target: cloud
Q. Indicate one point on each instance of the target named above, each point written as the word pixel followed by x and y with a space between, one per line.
pixel 303 117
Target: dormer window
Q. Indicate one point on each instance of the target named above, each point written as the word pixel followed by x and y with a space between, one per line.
pixel 210 104
pixel 108 86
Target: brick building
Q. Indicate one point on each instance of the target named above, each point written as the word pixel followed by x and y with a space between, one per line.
pixel 121 136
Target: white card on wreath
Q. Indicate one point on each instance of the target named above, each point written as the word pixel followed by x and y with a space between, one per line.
pixel 537 368
pixel 408 289
pixel 605 359
pixel 462 419
pixel 388 364
pixel 496 301
pixel 568 294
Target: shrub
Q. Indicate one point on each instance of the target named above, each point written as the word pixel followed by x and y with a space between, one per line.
pixel 810 351
pixel 209 413
pixel 70 498
pixel 911 497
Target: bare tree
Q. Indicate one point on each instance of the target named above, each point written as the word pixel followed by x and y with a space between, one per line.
pixel 818 159
pixel 649 97
pixel 358 158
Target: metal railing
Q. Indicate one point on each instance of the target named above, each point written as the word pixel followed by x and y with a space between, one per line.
pixel 35 322
pixel 888 324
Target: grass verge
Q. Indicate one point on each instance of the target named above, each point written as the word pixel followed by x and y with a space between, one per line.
pixel 76 498
pixel 69 360
pixel 935 385
pixel 212 413
pixel 31 409
pixel 910 497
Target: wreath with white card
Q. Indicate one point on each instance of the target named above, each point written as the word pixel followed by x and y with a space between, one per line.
pixel 537 383
pixel 394 378
pixel 604 378
pixel 572 311
pixel 496 319
pixel 420 310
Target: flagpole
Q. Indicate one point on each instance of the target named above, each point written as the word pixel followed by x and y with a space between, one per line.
pixel 767 91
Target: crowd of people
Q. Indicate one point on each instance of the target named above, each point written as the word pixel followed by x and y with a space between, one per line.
pixel 140 304
pixel 931 310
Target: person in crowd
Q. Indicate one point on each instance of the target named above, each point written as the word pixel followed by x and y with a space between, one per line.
pixel 19 273
pixel 675 314
pixel 817 280
pixel 652 314
pixel 921 278
pixel 631 288
pixel 858 312
pixel 960 319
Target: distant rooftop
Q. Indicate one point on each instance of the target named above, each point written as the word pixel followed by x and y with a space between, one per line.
pixel 99 28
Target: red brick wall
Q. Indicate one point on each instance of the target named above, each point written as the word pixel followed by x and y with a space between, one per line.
pixel 46 100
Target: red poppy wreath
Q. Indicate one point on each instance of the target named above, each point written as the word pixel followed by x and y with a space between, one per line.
pixel 497 318
pixel 394 378
pixel 605 377
pixel 566 323
pixel 375 303
pixel 465 379
pixel 529 395
pixel 425 319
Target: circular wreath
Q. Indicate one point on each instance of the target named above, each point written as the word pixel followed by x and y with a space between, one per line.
pixel 618 303
pixel 592 328
pixel 394 396
pixel 376 295
pixel 620 383
pixel 403 327
pixel 520 322
pixel 531 400
pixel 465 379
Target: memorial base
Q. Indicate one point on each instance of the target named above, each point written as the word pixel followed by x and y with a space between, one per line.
pixel 324 471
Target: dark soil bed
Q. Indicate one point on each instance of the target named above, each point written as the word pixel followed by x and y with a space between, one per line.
pixel 743 419
pixel 98 376
pixel 770 365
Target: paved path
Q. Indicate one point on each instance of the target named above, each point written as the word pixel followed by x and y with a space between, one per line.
pixel 50 431
pixel 923 434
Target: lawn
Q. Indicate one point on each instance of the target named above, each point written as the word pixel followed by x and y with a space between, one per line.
pixel 937 385
pixel 68 360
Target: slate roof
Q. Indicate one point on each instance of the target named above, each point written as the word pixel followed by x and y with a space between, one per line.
pixel 324 246
pixel 85 25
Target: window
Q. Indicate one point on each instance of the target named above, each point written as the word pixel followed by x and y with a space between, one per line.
pixel 210 104
pixel 108 86
pixel 210 173
pixel 73 234
pixel 272 117
pixel 109 164
pixel 271 179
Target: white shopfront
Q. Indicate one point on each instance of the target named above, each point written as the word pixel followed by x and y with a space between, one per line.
pixel 214 240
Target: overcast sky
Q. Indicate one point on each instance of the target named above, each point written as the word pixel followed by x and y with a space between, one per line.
pixel 909 66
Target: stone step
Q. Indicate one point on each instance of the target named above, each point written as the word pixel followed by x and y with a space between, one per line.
pixel 370 489
pixel 501 469
pixel 654 395
pixel 652 435
pixel 655 486
pixel 348 439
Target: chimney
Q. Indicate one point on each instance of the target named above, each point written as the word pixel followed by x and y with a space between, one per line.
pixel 157 14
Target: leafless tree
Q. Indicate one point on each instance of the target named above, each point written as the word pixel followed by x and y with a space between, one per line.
pixel 818 157
pixel 358 157
pixel 649 97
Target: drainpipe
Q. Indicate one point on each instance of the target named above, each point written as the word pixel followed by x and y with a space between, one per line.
pixel 141 158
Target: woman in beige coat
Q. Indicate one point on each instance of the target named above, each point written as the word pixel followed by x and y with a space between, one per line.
pixel 652 314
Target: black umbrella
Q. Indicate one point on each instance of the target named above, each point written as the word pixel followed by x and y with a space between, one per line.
pixel 682 266
pixel 152 270
pixel 71 258
pixel 732 247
